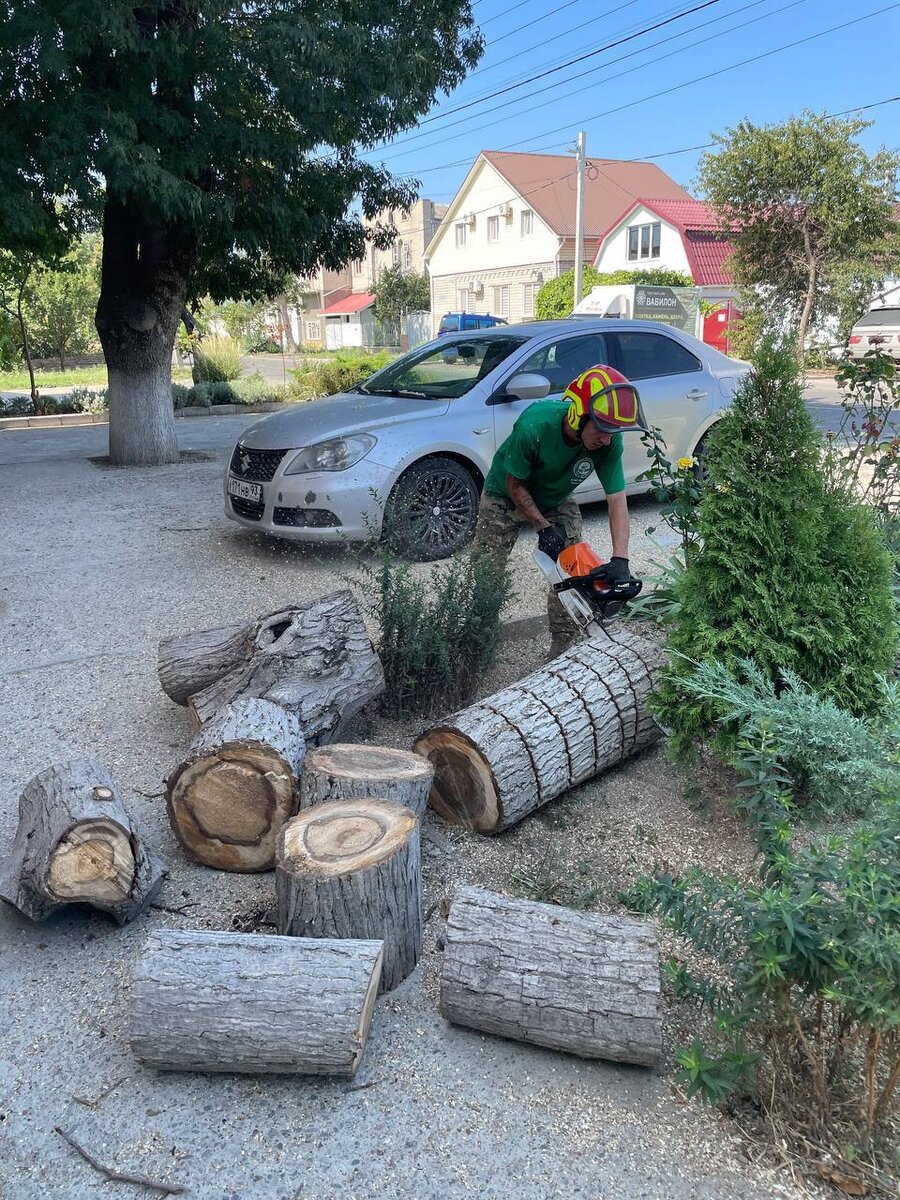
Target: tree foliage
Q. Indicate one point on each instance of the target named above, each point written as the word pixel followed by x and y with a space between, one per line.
pixel 61 300
pixel 398 293
pixel 810 215
pixel 556 299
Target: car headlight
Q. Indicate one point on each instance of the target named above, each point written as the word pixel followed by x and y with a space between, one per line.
pixel 337 454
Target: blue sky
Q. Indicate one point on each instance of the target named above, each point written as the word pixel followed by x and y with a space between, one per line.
pixel 852 66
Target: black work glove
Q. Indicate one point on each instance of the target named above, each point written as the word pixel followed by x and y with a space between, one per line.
pixel 551 541
pixel 615 571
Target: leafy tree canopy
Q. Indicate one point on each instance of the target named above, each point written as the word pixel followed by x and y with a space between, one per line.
pixel 809 212
pixel 398 293
pixel 556 299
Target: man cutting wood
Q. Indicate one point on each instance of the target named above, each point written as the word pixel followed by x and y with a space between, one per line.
pixel 551 450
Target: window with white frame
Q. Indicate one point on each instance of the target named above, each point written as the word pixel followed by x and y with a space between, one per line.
pixel 461 231
pixel 463 299
pixel 493 229
pixel 358 266
pixel 312 331
pixel 407 256
pixel 526 225
pixel 644 241
pixel 529 291
pixel 395 253
pixel 501 300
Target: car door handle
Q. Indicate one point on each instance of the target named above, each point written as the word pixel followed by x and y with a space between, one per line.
pixel 481 431
pixel 697 394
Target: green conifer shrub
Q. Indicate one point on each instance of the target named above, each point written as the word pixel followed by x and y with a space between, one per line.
pixel 789 572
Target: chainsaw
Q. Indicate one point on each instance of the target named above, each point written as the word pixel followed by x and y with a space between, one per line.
pixel 590 602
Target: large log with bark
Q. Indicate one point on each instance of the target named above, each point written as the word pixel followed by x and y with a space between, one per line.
pixel 352 868
pixel 347 771
pixel 77 844
pixel 253 1003
pixel 237 786
pixel 316 660
pixel 505 756
pixel 585 983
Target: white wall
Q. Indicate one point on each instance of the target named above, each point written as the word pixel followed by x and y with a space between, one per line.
pixel 614 253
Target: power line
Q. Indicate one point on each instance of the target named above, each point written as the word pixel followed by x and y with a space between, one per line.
pixel 606 78
pixel 505 13
pixel 572 61
pixel 537 21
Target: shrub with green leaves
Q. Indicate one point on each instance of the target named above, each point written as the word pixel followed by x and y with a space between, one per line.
pixel 343 371
pixel 806 994
pixel 90 400
pixel 217 360
pixel 787 571
pixel 438 633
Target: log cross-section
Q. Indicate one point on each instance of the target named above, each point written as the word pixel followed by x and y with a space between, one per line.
pixel 506 755
pixel 346 771
pixel 586 983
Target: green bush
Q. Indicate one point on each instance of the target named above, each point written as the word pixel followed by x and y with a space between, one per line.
pixel 436 635
pixel 806 992
pixel 217 360
pixel 182 396
pixel 786 572
pixel 556 299
pixel 345 370
pixel 90 400
pixel 250 390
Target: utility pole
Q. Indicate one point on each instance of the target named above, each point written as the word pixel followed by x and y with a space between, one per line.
pixel 579 215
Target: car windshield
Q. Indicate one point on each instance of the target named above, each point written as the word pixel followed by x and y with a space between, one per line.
pixel 442 370
pixel 449 325
pixel 881 316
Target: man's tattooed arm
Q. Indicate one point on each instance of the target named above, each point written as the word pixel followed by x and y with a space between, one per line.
pixel 524 502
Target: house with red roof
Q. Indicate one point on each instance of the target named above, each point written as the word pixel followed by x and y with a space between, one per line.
pixel 511 227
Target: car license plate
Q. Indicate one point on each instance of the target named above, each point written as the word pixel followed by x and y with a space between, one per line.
pixel 245 491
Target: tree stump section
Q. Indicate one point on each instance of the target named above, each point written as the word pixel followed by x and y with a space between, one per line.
pixel 351 869
pixel 316 660
pixel 345 771
pixel 585 983
pixel 253 1003
pixel 76 844
pixel 238 785
pixel 507 755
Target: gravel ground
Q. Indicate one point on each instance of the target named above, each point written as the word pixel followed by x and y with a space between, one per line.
pixel 97 565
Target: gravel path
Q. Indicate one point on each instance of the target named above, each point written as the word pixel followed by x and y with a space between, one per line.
pixel 96 566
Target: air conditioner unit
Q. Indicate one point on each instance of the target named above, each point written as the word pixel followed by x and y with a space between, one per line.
pixel 476 285
pixel 471 220
pixel 507 213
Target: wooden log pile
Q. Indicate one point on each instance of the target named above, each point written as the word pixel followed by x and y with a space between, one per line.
pixel 350 772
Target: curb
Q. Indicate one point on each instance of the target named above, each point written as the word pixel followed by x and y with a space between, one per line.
pixel 213 410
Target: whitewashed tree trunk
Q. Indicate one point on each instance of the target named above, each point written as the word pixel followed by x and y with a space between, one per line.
pixel 346 771
pixel 237 786
pixel 507 755
pixel 142 416
pixel 585 983
pixel 352 869
pixel 76 844
pixel 253 1003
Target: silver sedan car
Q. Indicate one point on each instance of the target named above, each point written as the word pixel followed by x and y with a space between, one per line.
pixel 414 443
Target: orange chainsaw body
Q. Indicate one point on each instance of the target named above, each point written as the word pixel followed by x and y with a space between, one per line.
pixel 580 559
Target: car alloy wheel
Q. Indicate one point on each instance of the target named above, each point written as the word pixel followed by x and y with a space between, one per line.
pixel 433 509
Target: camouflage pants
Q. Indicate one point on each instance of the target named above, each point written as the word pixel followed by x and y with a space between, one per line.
pixel 499 524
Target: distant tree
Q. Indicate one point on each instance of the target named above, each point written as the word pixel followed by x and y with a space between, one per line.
pixel 398 294
pixel 217 145
pixel 15 275
pixel 61 301
pixel 556 299
pixel 810 215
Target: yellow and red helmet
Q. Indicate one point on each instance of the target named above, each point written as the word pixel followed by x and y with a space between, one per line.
pixel 603 395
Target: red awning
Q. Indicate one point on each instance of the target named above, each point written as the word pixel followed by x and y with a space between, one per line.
pixel 350 304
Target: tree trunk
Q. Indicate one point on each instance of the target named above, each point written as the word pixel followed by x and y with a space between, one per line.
pixel 76 844
pixel 505 756
pixel 810 302
pixel 285 319
pixel 230 797
pixel 26 345
pixel 352 869
pixel 585 983
pixel 144 279
pixel 190 662
pixel 253 1003
pixel 316 660
pixel 343 771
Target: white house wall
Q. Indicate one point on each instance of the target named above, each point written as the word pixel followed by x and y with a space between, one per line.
pixel 614 253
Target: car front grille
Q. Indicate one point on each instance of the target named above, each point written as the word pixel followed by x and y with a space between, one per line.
pixel 305 518
pixel 250 510
pixel 256 465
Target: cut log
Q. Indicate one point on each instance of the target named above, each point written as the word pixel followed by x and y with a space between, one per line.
pixel 238 785
pixel 586 983
pixel 352 869
pixel 316 660
pixel 505 756
pixel 76 844
pixel 253 1003
pixel 346 771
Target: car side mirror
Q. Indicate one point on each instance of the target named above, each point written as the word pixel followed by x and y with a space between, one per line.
pixel 525 387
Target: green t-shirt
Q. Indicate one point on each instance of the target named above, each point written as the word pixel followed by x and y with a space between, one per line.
pixel 550 468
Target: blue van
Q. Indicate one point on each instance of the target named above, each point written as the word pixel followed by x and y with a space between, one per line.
pixel 459 322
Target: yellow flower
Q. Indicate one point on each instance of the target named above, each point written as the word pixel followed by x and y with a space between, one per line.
pixel 685 464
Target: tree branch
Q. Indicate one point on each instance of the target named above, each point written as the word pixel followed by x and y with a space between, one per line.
pixel 168 1189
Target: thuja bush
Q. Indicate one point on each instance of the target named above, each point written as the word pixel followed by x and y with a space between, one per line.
pixel 438 632
pixel 787 571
